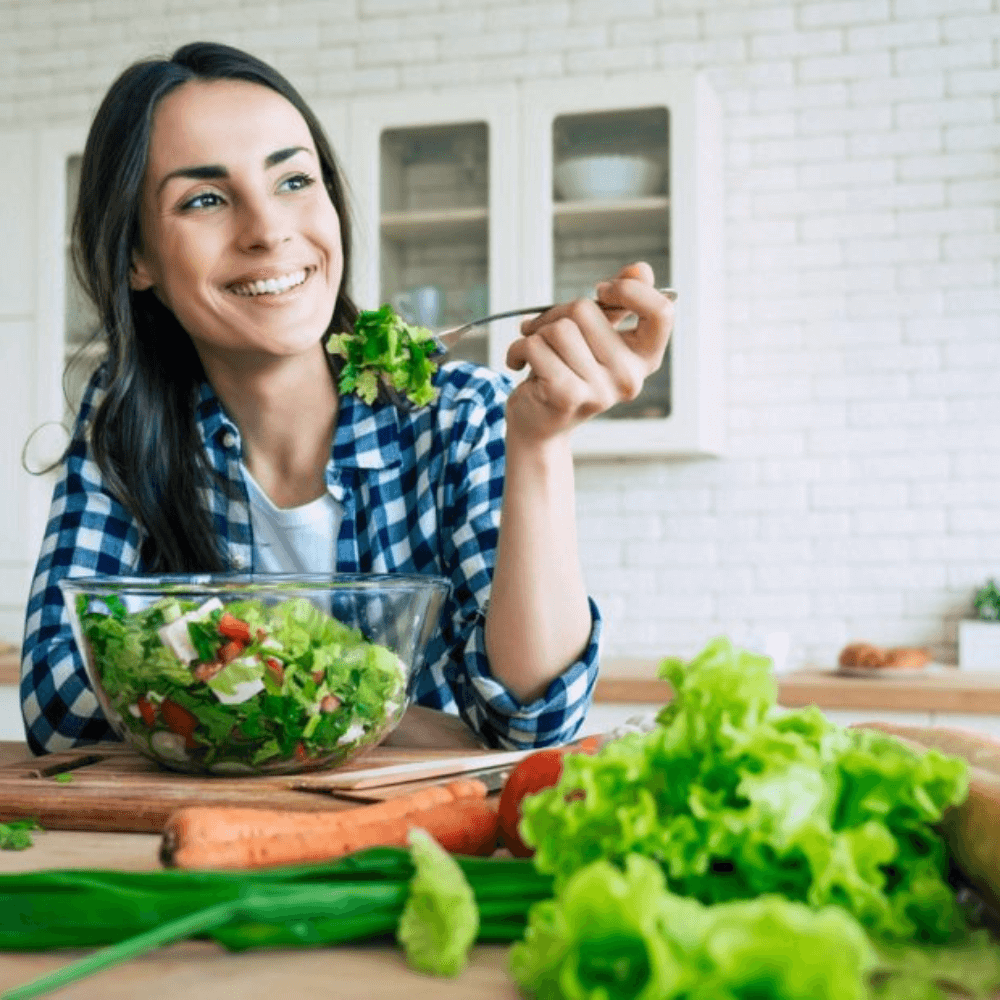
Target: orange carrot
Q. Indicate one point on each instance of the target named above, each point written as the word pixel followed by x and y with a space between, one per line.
pixel 463 826
pixel 209 833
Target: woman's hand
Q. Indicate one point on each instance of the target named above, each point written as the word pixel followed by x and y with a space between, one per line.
pixel 580 364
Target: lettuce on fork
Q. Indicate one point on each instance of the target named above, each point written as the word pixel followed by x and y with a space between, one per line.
pixel 383 346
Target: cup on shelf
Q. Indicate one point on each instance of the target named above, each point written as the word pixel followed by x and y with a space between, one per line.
pixel 422 305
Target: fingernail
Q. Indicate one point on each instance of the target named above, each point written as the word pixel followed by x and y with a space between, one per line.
pixel 602 288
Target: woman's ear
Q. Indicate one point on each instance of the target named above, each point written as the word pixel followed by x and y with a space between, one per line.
pixel 140 278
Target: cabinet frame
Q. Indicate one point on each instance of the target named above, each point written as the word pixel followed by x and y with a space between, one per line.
pixel 55 148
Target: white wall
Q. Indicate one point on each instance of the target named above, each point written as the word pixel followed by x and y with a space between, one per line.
pixel 859 493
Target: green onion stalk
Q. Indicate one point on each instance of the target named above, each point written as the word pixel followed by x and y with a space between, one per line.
pixel 367 895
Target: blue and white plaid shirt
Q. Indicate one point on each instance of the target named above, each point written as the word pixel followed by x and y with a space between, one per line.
pixel 420 493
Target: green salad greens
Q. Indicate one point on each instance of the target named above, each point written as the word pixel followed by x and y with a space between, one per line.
pixel 737 850
pixel 383 346
pixel 622 933
pixel 736 800
pixel 15 834
pixel 244 687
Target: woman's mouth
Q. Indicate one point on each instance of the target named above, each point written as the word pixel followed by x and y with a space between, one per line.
pixel 271 286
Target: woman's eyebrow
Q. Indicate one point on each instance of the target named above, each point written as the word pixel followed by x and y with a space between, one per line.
pixel 213 171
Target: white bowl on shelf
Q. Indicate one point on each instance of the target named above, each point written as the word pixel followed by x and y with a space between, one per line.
pixel 586 178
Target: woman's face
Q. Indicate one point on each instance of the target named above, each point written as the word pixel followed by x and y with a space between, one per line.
pixel 239 237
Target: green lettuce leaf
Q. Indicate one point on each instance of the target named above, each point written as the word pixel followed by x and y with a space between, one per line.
pixel 735 799
pixel 382 345
pixel 620 934
pixel 440 920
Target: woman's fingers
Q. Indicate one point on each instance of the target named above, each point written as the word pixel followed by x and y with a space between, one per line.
pixel 626 295
pixel 561 358
pixel 580 363
pixel 655 313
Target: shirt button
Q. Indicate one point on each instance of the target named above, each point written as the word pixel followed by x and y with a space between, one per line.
pixel 229 440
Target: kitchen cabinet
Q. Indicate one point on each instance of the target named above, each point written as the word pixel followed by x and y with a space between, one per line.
pixel 458 199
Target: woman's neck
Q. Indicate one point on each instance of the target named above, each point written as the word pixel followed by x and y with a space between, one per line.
pixel 286 411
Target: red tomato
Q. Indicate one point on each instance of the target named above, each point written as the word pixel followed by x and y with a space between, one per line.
pixel 147 710
pixel 179 720
pixel 532 774
pixel 234 628
pixel 229 651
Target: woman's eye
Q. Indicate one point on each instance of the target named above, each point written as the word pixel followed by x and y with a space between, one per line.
pixel 297 182
pixel 207 199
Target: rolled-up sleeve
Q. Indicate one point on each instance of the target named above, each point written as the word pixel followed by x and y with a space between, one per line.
pixel 554 718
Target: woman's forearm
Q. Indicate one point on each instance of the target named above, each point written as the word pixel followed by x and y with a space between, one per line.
pixel 538 620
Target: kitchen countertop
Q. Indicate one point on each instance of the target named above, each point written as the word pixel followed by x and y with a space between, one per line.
pixel 944 689
pixel 200 970
pixel 10 665
pixel 633 680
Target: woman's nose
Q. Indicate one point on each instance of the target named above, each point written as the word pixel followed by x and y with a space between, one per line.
pixel 262 224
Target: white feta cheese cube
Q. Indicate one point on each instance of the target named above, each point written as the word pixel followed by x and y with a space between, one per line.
pixel 354 732
pixel 175 635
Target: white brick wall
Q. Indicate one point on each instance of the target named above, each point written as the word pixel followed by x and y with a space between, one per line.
pixel 859 493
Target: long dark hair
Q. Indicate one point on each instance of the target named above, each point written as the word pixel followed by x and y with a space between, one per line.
pixel 144 433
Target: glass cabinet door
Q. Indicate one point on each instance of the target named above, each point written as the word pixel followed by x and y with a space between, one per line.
pixel 621 169
pixel 435 179
pixel 611 181
pixel 434 228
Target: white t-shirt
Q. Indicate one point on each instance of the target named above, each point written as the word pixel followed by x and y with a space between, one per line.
pixel 294 539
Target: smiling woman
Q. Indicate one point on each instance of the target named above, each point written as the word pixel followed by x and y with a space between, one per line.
pixel 213 237
pixel 237 238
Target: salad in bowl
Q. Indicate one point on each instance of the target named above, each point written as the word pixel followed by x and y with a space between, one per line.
pixel 253 675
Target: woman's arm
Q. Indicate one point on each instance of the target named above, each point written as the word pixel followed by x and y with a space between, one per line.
pixel 539 619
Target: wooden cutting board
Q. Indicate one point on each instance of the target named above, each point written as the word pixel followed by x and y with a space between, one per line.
pixel 112 788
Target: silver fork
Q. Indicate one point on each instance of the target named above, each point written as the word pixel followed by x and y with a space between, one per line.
pixel 447 339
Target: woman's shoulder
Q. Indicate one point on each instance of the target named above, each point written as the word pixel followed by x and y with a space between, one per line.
pixel 462 382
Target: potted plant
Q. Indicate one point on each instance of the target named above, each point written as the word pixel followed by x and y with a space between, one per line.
pixel 979 638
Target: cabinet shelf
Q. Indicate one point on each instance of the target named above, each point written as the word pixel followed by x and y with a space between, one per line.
pixel 442 224
pixel 586 218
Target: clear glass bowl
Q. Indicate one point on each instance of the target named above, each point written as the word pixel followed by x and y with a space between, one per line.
pixel 249 675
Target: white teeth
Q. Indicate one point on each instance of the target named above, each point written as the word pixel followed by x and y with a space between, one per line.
pixel 272 286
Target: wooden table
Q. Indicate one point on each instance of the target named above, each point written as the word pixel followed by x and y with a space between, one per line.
pixel 199 970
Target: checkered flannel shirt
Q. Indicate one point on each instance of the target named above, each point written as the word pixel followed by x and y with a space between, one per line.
pixel 420 493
